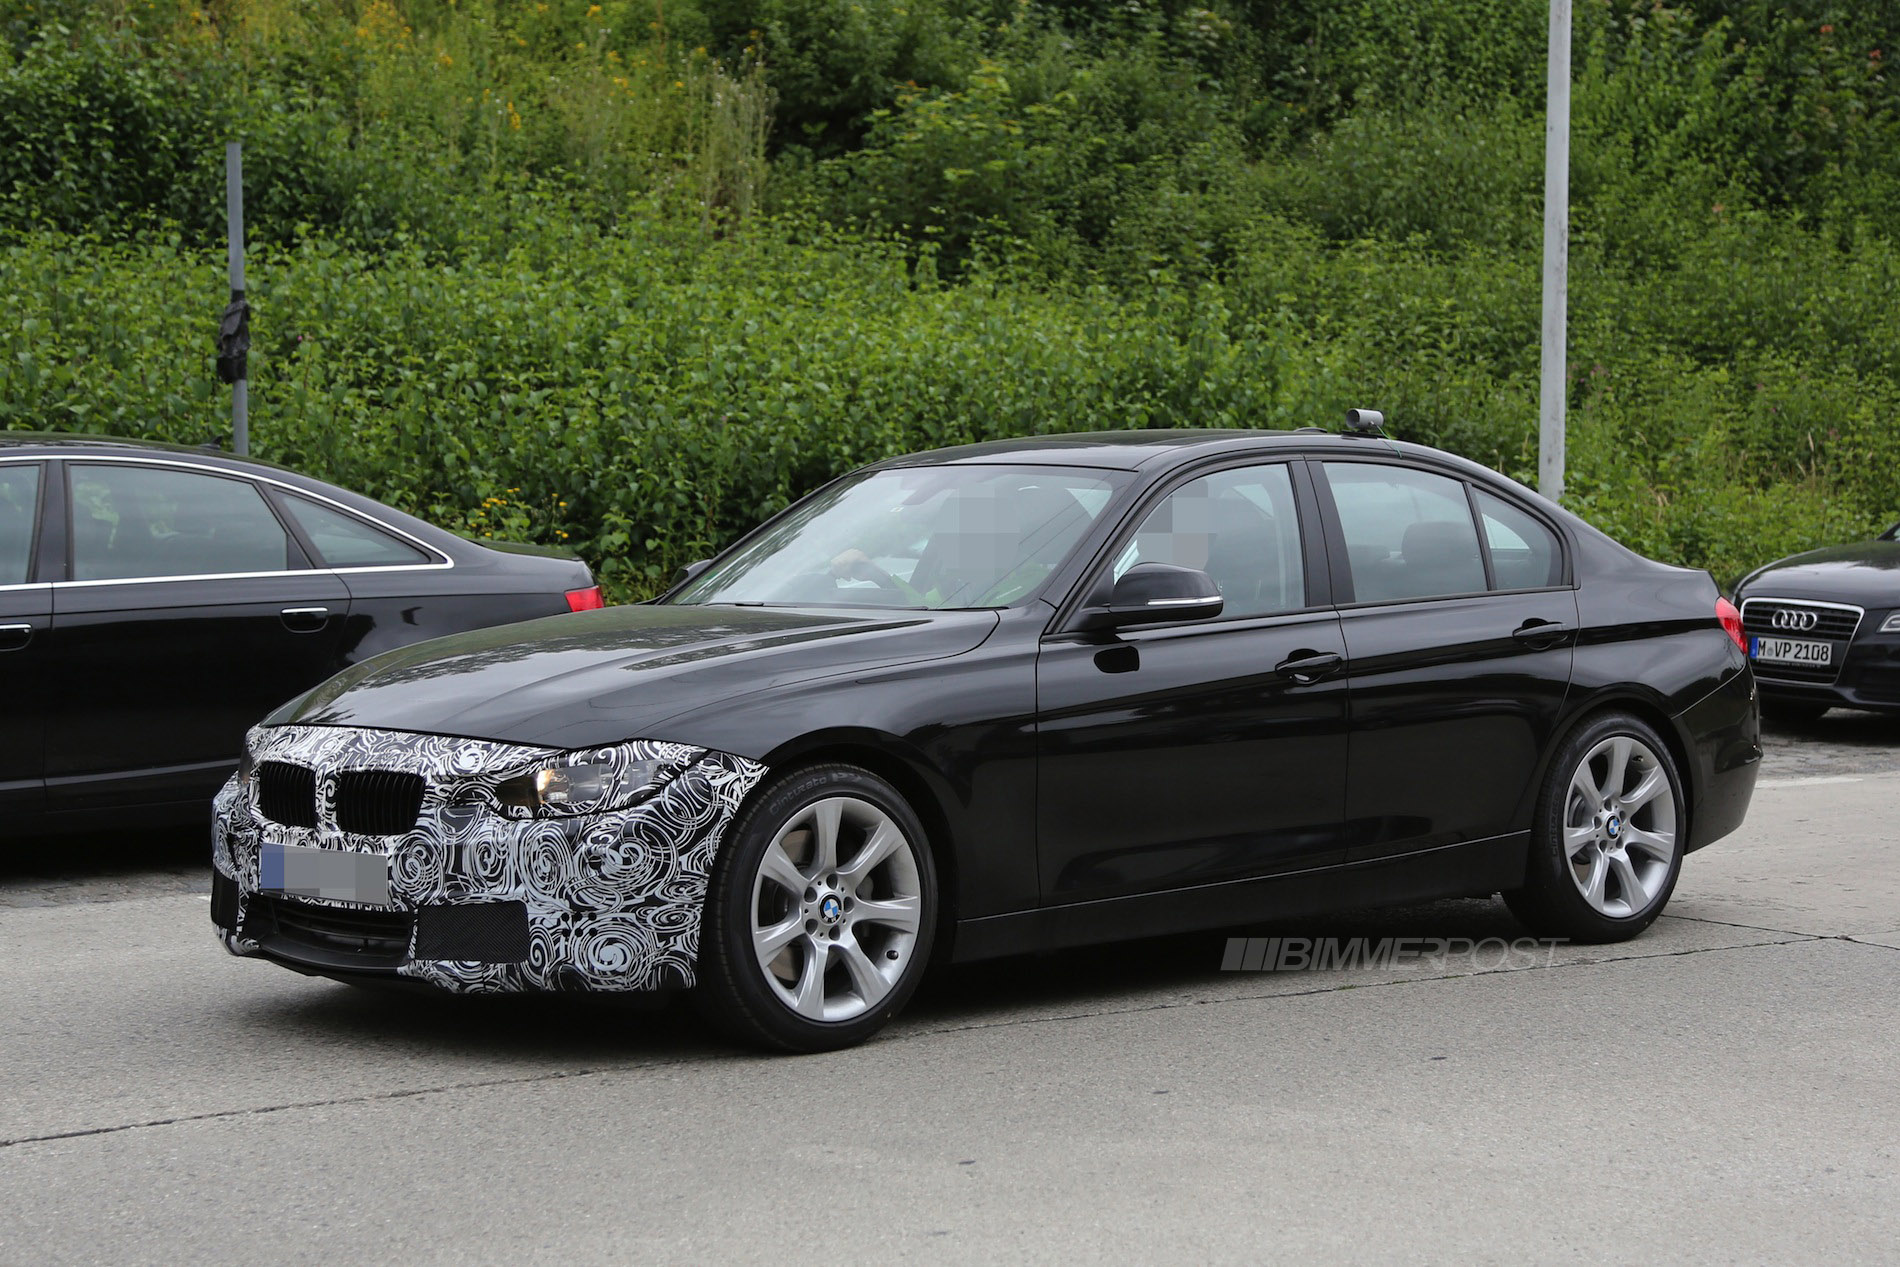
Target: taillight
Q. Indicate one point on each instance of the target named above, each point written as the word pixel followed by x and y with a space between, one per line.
pixel 589 599
pixel 1731 622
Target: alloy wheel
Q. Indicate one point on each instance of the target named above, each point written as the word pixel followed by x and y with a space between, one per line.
pixel 1619 826
pixel 837 902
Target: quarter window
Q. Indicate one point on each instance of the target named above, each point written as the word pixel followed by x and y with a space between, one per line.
pixel 345 541
pixel 1408 533
pixel 19 509
pixel 1524 553
pixel 1241 527
pixel 137 521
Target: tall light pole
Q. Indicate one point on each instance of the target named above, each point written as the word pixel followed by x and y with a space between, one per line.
pixel 1550 431
pixel 234 327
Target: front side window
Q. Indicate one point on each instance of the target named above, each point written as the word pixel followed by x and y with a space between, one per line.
pixel 1408 533
pixel 19 510
pixel 930 537
pixel 1241 527
pixel 139 521
pixel 344 541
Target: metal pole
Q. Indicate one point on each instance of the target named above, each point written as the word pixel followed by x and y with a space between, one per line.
pixel 1550 435
pixel 234 217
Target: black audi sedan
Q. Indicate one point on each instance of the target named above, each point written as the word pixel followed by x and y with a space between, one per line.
pixel 155 601
pixel 1005 698
pixel 1824 629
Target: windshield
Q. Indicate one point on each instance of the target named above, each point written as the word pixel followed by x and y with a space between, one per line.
pixel 918 537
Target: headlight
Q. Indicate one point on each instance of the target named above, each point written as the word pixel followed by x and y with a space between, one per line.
pixel 1892 624
pixel 594 781
pixel 247 764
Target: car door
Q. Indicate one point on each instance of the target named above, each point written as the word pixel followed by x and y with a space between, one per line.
pixel 1195 752
pixel 189 612
pixel 1459 644
pixel 26 610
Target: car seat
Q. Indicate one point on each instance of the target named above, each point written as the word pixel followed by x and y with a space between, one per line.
pixel 1440 557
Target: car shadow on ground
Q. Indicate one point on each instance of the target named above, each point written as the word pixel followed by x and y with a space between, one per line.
pixel 1130 973
pixel 93 866
pixel 582 1031
pixel 1843 726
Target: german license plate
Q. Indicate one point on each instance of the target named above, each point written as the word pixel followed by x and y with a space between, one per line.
pixel 336 874
pixel 1792 651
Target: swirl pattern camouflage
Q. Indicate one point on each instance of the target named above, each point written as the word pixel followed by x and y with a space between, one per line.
pixel 613 897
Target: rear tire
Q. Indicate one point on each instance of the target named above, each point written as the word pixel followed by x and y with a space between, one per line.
pixel 1606 837
pixel 819 915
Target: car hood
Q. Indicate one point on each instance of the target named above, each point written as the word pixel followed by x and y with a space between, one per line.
pixel 594 678
pixel 1866 574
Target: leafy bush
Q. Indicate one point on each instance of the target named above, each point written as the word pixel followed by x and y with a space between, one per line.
pixel 628 275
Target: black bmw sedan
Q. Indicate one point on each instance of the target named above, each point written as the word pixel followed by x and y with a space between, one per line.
pixel 155 601
pixel 1824 629
pixel 1005 698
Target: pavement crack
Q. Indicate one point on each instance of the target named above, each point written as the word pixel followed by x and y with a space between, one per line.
pixel 1753 928
pixel 562 1075
pixel 263 1110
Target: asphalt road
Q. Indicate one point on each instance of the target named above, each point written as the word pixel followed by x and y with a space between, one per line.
pixel 1723 1088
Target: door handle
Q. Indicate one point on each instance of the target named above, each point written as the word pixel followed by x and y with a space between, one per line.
pixel 1307 667
pixel 305 619
pixel 13 637
pixel 1540 635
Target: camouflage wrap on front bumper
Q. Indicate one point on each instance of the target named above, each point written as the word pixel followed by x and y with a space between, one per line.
pixel 614 899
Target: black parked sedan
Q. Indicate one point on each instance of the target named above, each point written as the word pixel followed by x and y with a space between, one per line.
pixel 1006 698
pixel 1824 629
pixel 156 601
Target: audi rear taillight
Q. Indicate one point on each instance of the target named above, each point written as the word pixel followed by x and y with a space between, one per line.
pixel 589 599
pixel 1731 622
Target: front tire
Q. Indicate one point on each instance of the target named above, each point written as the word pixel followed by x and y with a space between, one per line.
pixel 820 913
pixel 1607 836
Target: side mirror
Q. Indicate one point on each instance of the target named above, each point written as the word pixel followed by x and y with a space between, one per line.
pixel 1150 593
pixel 691 570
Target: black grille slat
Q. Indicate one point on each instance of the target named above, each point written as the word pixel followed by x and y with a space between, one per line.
pixel 378 802
pixel 334 936
pixel 287 793
pixel 1830 623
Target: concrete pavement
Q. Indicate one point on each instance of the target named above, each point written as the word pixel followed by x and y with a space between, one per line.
pixel 1724 1087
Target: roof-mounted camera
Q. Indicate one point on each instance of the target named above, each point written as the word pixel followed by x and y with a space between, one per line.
pixel 1365 422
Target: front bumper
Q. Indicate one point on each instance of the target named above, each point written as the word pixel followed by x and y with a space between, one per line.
pixel 1865 670
pixel 1869 679
pixel 481 902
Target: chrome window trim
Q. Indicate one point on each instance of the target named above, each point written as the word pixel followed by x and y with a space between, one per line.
pixel 444 562
pixel 26 585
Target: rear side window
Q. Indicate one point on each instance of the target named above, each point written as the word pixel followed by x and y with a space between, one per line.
pixel 19 510
pixel 1524 553
pixel 344 541
pixel 1408 533
pixel 140 521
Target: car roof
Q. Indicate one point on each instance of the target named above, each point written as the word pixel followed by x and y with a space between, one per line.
pixel 57 443
pixel 46 444
pixel 1134 449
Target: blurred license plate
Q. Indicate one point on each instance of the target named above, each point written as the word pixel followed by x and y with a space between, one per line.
pixel 1794 651
pixel 327 873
